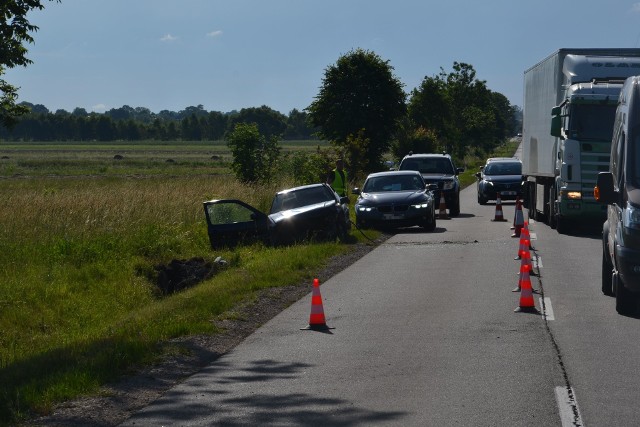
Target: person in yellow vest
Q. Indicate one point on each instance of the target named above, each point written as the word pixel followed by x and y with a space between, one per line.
pixel 337 178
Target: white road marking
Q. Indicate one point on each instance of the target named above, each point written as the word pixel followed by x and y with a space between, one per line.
pixel 568 406
pixel 548 309
pixel 536 261
pixel 533 236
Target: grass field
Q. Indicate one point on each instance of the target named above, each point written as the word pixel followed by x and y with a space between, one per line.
pixel 80 242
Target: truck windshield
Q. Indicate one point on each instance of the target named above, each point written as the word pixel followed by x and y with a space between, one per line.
pixel 591 122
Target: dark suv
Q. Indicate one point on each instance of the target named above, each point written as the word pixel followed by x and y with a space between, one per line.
pixel 618 189
pixel 437 169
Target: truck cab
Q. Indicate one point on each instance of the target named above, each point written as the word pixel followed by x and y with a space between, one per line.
pixel 619 190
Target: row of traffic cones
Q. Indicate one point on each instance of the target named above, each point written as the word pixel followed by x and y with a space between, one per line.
pixel 521 229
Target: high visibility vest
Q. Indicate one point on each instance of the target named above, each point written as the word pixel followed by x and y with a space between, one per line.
pixel 339 184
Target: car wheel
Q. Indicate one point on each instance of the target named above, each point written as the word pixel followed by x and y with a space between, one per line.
pixel 625 299
pixel 342 232
pixel 455 209
pixel 607 271
pixel 482 200
pixel 430 224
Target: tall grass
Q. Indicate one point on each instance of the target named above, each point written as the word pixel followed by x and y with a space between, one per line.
pixel 78 303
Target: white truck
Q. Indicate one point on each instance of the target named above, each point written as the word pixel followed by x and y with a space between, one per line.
pixel 570 100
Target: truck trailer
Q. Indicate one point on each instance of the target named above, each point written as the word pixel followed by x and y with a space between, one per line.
pixel 569 107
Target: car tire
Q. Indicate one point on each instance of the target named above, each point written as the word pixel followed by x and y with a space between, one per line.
pixel 482 200
pixel 607 272
pixel 430 224
pixel 625 299
pixel 455 209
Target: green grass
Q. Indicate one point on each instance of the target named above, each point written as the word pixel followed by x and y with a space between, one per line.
pixel 78 254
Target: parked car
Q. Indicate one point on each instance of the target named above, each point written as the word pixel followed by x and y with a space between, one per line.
pixel 618 189
pixel 437 169
pixel 307 212
pixel 395 199
pixel 500 175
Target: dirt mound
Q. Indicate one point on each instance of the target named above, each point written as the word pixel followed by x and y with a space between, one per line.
pixel 182 274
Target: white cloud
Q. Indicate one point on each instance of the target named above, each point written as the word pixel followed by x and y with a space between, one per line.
pixel 216 33
pixel 99 108
pixel 168 38
pixel 635 7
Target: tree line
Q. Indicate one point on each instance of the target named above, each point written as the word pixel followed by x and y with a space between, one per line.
pixel 137 124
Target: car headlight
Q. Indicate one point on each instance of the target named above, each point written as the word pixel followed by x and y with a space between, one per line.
pixel 448 185
pixel 489 183
pixel 631 217
pixel 362 208
pixel 420 206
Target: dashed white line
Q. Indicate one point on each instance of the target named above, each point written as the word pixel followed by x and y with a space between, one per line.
pixel 533 236
pixel 568 406
pixel 548 309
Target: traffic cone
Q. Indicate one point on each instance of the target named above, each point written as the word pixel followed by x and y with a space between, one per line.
pixel 524 241
pixel 498 216
pixel 527 305
pixel 518 220
pixel 317 321
pixel 443 207
pixel 525 267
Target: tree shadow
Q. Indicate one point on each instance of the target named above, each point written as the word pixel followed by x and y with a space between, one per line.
pixel 227 395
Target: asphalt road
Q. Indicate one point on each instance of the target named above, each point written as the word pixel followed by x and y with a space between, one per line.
pixel 425 334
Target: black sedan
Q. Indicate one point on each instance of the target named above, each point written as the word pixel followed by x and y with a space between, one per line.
pixel 301 213
pixel 395 199
pixel 500 175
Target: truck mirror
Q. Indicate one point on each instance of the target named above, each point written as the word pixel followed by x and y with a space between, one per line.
pixel 556 122
pixel 604 191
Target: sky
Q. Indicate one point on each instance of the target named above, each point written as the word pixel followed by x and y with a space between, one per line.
pixel 231 54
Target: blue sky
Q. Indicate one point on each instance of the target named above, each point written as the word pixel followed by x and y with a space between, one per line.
pixel 233 54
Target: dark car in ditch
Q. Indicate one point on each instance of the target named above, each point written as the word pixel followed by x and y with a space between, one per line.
pixel 395 199
pixel 307 212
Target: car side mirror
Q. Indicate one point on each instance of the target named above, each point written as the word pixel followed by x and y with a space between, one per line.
pixel 604 191
pixel 356 190
pixel 459 170
pixel 478 175
pixel 432 187
pixel 344 200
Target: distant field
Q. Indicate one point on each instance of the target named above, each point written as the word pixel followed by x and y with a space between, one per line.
pixel 122 159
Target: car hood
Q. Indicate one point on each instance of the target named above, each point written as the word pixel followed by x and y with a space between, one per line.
pixel 503 178
pixel 394 197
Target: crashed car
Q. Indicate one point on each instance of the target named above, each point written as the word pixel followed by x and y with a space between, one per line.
pixel 308 212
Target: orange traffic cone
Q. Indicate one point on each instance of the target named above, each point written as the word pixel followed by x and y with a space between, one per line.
pixel 527 305
pixel 525 267
pixel 498 216
pixel 518 220
pixel 443 208
pixel 524 241
pixel 317 321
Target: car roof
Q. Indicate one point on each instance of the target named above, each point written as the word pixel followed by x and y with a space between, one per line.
pixel 392 173
pixel 503 159
pixel 302 187
pixel 445 155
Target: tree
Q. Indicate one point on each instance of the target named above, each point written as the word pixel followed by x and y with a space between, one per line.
pixel 254 155
pixel 269 121
pixel 15 31
pixel 361 101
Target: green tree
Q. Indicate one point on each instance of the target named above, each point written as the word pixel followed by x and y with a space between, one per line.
pixel 360 102
pixel 15 32
pixel 254 155
pixel 269 121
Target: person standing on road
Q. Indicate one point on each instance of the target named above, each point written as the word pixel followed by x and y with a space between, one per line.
pixel 337 178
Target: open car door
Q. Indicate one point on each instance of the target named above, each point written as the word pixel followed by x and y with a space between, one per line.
pixel 231 222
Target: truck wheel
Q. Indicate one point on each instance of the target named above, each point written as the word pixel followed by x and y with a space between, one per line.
pixel 553 220
pixel 562 225
pixel 625 299
pixel 607 271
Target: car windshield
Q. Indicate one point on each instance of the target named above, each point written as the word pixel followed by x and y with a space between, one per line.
pixel 503 168
pixel 435 165
pixel 301 197
pixel 379 184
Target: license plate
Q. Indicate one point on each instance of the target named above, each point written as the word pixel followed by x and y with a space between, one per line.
pixel 392 216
